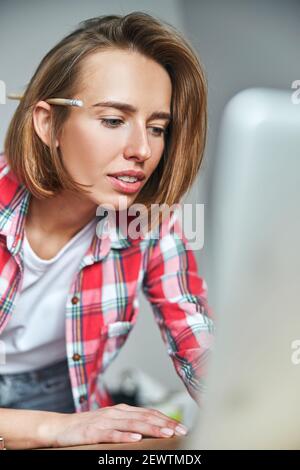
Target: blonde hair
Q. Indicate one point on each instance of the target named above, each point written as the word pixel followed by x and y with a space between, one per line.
pixel 40 168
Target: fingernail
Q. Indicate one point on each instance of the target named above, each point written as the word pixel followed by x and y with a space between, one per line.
pixel 135 437
pixel 181 430
pixel 167 431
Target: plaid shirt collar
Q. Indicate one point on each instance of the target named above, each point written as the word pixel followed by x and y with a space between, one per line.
pixel 13 209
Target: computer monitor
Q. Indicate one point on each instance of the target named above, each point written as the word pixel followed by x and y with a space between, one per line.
pixel 253 384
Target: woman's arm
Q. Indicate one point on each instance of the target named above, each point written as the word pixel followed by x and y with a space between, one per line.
pixel 27 429
pixel 178 298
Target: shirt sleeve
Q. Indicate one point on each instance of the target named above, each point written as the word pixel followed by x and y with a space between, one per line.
pixel 178 296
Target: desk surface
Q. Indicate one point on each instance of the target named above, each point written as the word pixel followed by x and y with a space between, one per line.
pixel 144 444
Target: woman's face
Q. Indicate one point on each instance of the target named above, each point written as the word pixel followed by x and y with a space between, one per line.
pixel 97 141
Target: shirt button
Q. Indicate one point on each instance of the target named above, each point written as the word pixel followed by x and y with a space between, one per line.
pixel 76 357
pixel 75 300
pixel 82 399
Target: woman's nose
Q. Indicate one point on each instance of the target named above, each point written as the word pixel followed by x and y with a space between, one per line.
pixel 137 145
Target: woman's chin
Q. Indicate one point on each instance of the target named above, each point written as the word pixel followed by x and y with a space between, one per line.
pixel 114 201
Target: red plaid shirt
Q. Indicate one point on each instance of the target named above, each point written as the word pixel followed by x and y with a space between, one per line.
pixel 102 303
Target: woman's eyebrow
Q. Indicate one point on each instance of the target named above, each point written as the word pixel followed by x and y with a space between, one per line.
pixel 128 108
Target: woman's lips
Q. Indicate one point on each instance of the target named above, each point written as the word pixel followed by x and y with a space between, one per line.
pixel 128 188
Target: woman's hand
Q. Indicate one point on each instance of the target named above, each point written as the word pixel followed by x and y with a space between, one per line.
pixel 119 423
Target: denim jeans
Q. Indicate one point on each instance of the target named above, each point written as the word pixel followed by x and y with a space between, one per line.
pixel 46 389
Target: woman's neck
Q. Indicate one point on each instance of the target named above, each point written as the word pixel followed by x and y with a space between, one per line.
pixel 65 214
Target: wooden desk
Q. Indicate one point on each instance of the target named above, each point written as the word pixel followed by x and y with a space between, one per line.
pixel 144 444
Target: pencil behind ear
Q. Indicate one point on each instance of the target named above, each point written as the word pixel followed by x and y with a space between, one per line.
pixel 65 102
pixel 14 96
pixel 58 101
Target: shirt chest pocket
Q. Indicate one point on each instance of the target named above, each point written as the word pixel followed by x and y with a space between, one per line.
pixel 118 328
pixel 112 338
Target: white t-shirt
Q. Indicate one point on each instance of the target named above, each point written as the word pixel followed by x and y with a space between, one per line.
pixel 35 335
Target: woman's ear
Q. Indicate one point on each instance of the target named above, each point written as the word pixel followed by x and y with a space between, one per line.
pixel 41 122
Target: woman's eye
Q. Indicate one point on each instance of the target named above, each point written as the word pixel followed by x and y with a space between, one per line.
pixel 160 131
pixel 113 123
pixel 110 122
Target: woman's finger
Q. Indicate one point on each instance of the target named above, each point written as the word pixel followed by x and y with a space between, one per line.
pixel 115 436
pixel 150 410
pixel 148 417
pixel 133 425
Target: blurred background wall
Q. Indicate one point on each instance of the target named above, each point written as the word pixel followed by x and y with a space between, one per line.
pixel 241 43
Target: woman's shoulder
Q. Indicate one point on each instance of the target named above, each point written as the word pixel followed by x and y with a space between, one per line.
pixel 9 183
pixel 5 169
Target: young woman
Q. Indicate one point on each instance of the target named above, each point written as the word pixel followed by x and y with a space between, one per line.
pixel 68 294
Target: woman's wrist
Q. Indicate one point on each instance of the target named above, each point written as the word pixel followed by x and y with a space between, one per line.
pixel 29 429
pixel 51 427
